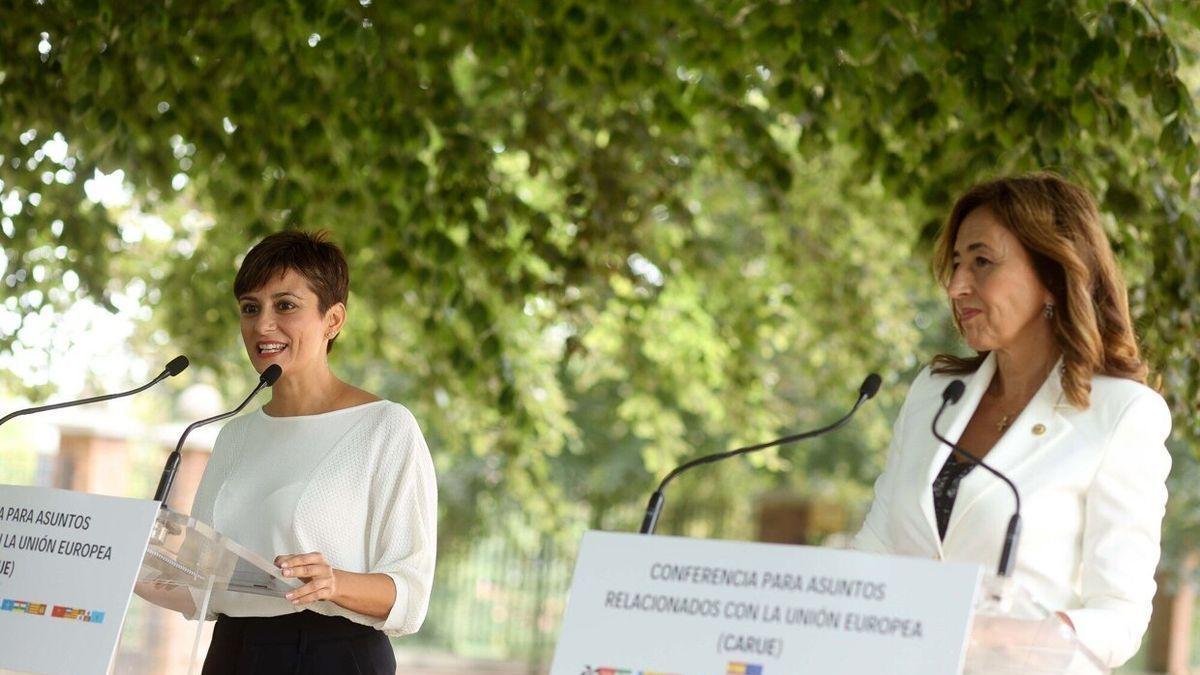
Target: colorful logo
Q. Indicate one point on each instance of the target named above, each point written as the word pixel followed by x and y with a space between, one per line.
pixel 22 607
pixel 606 670
pixel 739 668
pixel 87 616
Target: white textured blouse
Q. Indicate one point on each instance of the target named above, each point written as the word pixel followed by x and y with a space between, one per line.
pixel 356 485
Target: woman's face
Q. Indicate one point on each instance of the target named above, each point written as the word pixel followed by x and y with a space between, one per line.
pixel 996 294
pixel 282 323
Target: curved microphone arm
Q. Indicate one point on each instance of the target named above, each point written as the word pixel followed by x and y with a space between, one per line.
pixel 716 457
pixel 1013 534
pixel 173 368
pixel 217 418
pixel 654 507
pixel 268 378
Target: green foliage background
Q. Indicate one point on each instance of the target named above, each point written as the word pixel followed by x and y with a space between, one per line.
pixel 591 239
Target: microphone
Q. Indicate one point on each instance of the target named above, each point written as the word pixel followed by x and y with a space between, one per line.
pixel 268 378
pixel 1008 555
pixel 869 388
pixel 176 366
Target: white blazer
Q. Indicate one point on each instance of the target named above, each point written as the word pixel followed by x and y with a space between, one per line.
pixel 1093 495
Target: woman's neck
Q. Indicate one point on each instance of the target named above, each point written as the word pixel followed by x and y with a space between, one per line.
pixel 1022 368
pixel 309 392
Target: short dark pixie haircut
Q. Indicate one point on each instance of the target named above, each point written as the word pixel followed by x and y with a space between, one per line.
pixel 310 254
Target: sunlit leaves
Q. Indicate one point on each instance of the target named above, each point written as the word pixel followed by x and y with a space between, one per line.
pixel 500 175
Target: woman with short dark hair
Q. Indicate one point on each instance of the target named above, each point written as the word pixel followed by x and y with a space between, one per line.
pixel 1055 399
pixel 331 482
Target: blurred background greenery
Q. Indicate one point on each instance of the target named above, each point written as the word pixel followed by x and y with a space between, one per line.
pixel 588 240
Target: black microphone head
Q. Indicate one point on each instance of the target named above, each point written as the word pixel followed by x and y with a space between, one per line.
pixel 954 391
pixel 870 386
pixel 271 374
pixel 177 365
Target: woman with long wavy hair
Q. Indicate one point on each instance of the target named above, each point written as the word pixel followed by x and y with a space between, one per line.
pixel 1055 398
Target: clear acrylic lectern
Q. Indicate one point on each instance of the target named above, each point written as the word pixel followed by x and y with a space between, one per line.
pixel 188 569
pixel 1012 634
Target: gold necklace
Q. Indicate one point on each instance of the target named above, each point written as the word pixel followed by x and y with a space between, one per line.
pixel 1006 418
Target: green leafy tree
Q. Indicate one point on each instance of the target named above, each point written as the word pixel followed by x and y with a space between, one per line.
pixel 590 239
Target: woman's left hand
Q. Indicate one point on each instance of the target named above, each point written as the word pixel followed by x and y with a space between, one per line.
pixel 319 577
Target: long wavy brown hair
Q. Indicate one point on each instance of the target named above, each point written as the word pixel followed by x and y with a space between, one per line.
pixel 1058 223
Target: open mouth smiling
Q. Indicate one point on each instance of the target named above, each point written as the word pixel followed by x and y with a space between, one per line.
pixel 270 348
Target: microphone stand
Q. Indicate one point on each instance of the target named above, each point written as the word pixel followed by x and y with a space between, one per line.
pixel 654 507
pixel 268 378
pixel 1012 536
pixel 173 368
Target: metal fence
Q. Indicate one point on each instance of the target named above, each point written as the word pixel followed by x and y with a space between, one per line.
pixel 497 599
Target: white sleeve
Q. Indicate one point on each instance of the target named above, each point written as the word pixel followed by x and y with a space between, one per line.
pixel 216 472
pixel 874 536
pixel 403 522
pixel 1125 505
